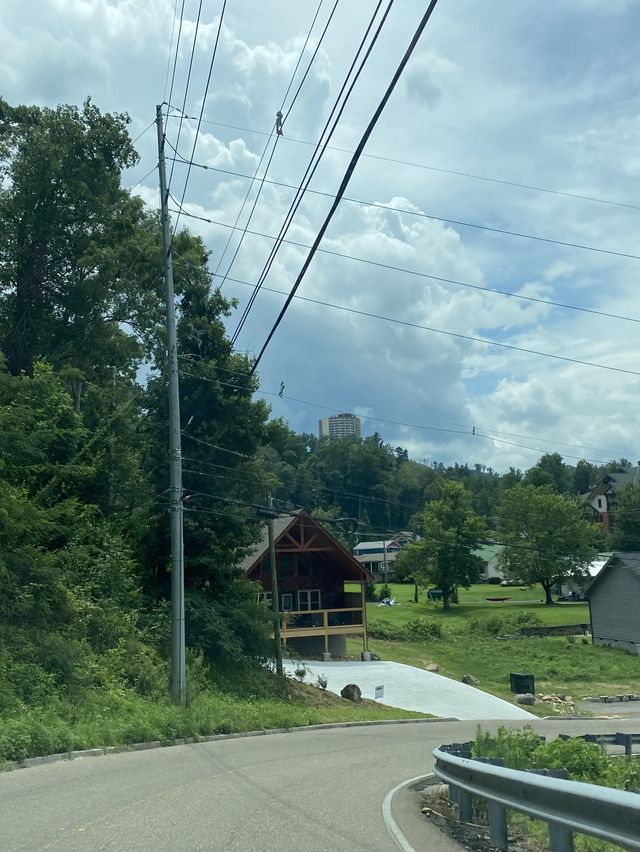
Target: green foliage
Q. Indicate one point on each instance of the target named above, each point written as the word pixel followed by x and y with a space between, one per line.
pixel 515 747
pixel 583 761
pixel 415 630
pixel 547 537
pixel 503 624
pixel 451 533
pixel 626 534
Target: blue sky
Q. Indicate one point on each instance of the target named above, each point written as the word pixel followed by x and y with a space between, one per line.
pixel 544 95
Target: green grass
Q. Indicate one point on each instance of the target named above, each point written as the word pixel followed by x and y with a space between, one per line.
pixel 558 664
pixel 113 718
pixel 474 604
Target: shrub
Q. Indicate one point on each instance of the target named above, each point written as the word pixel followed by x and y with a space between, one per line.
pixel 583 761
pixel 423 629
pixel 380 629
pixel 322 682
pixel 514 747
pixel 385 592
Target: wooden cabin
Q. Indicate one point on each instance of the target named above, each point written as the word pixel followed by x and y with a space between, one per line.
pixel 321 586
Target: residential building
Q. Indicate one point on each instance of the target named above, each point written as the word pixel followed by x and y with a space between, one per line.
pixel 576 586
pixel 377 557
pixel 489 554
pixel 614 603
pixel 339 426
pixel 320 585
pixel 602 497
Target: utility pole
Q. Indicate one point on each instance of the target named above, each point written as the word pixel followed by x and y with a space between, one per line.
pixel 275 599
pixel 178 681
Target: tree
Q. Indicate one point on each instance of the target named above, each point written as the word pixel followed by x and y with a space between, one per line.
pixel 445 555
pixel 585 476
pixel 626 519
pixel 63 213
pixel 549 470
pixel 546 535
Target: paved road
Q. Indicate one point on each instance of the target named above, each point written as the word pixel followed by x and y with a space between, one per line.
pixel 412 688
pixel 314 790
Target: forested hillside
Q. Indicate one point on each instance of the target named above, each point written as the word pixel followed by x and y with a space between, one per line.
pixel 84 547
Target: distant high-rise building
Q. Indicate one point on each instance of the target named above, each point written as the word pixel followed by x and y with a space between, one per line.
pixel 339 426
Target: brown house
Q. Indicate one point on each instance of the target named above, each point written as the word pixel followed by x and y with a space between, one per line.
pixel 320 585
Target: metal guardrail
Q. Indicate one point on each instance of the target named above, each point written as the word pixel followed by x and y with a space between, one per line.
pixel 566 806
pixel 603 740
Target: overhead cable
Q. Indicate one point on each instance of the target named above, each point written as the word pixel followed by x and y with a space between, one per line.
pixel 202 107
pixel 273 150
pixel 426 167
pixel 186 88
pixel 318 153
pixel 420 214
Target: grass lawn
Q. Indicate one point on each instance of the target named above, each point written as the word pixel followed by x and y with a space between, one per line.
pixel 474 604
pixel 559 665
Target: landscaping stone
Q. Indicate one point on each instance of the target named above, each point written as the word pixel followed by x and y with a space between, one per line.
pixel 431 667
pixel 470 680
pixel 352 692
pixel 525 698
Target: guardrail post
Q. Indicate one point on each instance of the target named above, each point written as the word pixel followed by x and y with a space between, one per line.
pixel 465 806
pixel 498 825
pixel 625 740
pixel 560 837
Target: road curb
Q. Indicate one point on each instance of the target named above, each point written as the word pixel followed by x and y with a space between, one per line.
pixel 30 762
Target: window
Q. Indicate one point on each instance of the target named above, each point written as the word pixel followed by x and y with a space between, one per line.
pixel 285 564
pixel 265 597
pixel 287 602
pixel 304 565
pixel 309 599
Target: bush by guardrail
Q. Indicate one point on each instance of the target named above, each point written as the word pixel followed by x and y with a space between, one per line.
pixel 579 765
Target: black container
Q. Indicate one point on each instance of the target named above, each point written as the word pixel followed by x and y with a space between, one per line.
pixel 522 683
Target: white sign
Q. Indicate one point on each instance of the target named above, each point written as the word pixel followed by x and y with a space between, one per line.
pixel 379 692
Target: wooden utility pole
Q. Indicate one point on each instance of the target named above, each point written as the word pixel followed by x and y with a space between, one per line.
pixel 275 598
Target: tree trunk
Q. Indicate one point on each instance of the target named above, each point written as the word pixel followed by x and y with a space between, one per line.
pixel 445 598
pixel 415 592
pixel 546 585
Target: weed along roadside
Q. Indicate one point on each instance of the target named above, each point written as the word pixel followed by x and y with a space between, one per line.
pixel 481 638
pixel 515 789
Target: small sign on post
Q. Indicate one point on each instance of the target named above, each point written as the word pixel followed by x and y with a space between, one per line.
pixel 379 693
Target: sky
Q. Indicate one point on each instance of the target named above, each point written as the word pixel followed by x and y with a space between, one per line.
pixel 540 95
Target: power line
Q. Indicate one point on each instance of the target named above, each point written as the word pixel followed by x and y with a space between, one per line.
pixel 460 336
pixel 175 58
pixel 186 88
pixel 426 167
pixel 520 296
pixel 404 270
pixel 202 107
pixel 420 214
pixel 275 144
pixel 471 431
pixel 466 427
pixel 317 154
pixel 150 172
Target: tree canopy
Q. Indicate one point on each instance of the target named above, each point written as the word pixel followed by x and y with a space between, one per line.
pixel 546 535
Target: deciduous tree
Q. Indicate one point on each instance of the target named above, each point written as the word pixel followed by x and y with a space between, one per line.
pixel 546 535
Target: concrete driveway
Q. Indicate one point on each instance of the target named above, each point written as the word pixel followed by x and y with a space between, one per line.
pixel 411 688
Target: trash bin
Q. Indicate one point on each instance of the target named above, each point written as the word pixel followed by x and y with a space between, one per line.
pixel 522 683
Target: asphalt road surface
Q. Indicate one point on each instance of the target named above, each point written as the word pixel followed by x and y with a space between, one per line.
pixel 312 790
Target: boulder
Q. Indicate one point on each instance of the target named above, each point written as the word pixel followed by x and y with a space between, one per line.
pixel 525 698
pixel 352 692
pixel 431 667
pixel 470 680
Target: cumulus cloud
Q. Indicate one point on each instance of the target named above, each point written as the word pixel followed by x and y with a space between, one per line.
pixel 516 105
